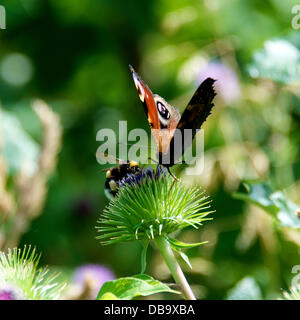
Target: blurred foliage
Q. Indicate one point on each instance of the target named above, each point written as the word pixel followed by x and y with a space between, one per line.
pixel 246 289
pixel 286 212
pixel 75 56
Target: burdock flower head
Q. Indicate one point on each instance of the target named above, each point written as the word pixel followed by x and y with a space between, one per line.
pixel 151 205
pixel 21 280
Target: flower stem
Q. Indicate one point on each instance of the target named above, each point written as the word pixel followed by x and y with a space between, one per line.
pixel 174 267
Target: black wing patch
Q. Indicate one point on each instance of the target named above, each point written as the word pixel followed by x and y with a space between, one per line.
pixel 199 108
pixel 196 112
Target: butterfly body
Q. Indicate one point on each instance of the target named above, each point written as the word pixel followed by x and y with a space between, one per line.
pixel 167 126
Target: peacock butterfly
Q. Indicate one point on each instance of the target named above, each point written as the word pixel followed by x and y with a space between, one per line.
pixel 165 120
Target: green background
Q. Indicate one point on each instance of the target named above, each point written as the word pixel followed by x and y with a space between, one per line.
pixel 76 59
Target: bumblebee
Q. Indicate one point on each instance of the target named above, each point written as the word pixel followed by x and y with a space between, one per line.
pixel 114 175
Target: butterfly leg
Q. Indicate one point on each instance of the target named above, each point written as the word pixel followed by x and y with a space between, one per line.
pixel 181 162
pixel 172 175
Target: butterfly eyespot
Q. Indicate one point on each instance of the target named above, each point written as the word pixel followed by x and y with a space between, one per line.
pixel 163 111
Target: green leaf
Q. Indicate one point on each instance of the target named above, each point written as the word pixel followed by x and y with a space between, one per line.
pixel 177 246
pixel 182 245
pixel 130 287
pixel 246 289
pixel 185 258
pixel 109 296
pixel 144 256
pixel 259 194
pixel 275 203
pixel 143 277
pixel 287 210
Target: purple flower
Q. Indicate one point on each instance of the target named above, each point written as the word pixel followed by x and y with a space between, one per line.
pixel 227 84
pixel 93 275
pixel 10 292
pixel 139 177
pixel 7 295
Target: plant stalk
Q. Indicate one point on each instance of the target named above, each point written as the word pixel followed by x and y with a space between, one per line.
pixel 174 267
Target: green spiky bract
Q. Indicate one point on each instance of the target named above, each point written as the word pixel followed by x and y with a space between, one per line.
pixel 151 208
pixel 19 270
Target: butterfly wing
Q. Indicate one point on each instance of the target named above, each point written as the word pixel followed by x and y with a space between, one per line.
pixel 199 107
pixel 147 100
pixel 196 112
pixel 165 119
pixel 162 117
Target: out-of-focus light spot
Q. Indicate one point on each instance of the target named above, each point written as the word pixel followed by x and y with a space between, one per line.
pixel 19 150
pixel 16 69
pixel 282 48
pixel 165 54
pixel 93 276
pixel 176 19
pixel 254 73
pixel 212 4
pixel 170 53
pixel 190 69
pixel 279 60
pixel 227 84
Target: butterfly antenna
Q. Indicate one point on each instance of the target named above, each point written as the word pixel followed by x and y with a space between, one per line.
pixel 180 167
pixel 153 160
pixel 172 175
pixel 132 144
pixel 173 183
